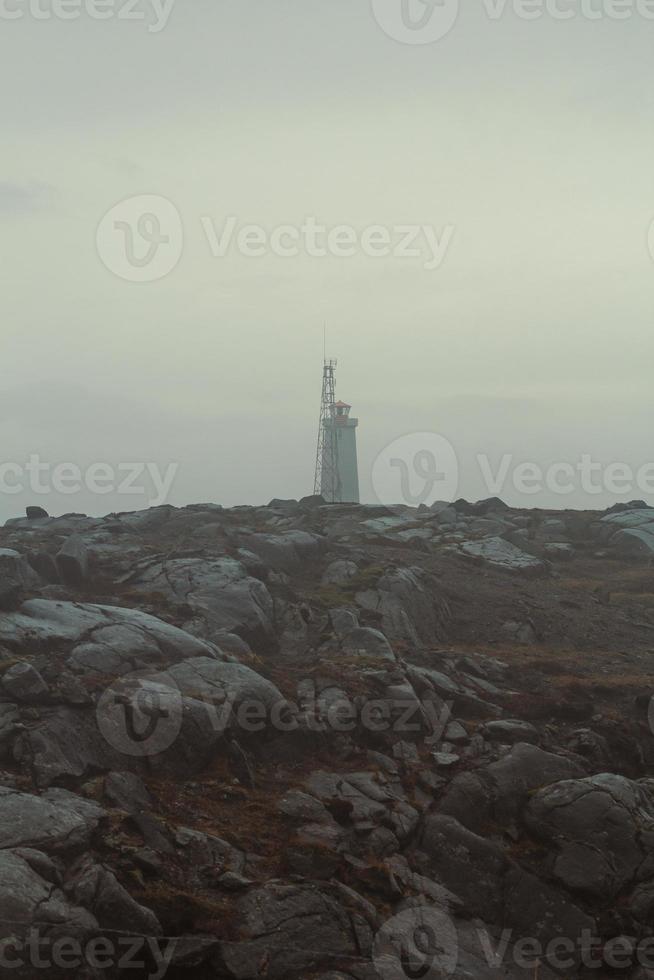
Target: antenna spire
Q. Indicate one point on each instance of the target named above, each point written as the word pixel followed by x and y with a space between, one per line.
pixel 327 477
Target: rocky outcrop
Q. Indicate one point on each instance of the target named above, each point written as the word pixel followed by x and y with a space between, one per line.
pixel 303 740
pixel 219 592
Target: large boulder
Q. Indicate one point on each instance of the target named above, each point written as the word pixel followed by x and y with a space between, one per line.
pixel 289 930
pixel 601 828
pixel 73 560
pixel 467 864
pixel 289 551
pixel 219 590
pixel 249 700
pixel 97 888
pixel 56 821
pixel 29 901
pixel 140 720
pixel 533 908
pixel 17 578
pixel 99 639
pixel 409 606
pixel 498 791
pixel 367 643
pixel 630 532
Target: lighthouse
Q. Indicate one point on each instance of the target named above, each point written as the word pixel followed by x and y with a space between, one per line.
pixel 337 470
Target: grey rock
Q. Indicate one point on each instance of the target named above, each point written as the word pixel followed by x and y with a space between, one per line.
pixel 456 732
pixel 293 929
pixel 339 572
pixel 499 790
pixel 126 791
pixel 510 730
pixel 231 643
pixel 303 807
pixel 315 850
pixel 69 744
pixel 640 901
pixel 630 532
pixel 35 513
pixel 366 642
pixel 220 590
pixel 342 620
pixel 24 683
pixel 56 821
pixel 467 864
pixel 10 724
pixel 285 552
pixel 367 798
pixel 534 908
pixel 207 856
pixel 217 683
pixel 482 956
pixel 29 900
pixel 409 604
pixel 444 514
pixel 16 578
pixel 118 639
pixel 97 889
pixel 73 561
pixel 64 744
pixel 559 551
pixel 504 556
pixel 600 827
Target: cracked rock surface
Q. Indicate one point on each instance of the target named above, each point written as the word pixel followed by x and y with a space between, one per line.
pixel 329 742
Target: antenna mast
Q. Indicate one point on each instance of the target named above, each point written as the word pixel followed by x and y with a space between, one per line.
pixel 327 481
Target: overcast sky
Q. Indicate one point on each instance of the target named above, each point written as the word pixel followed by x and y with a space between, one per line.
pixel 525 147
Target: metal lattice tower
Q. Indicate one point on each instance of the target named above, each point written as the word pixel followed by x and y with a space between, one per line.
pixel 327 478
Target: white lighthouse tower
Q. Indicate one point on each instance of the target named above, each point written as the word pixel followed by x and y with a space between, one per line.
pixel 337 470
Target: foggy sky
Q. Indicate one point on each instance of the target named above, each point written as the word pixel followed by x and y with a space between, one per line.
pixel 533 339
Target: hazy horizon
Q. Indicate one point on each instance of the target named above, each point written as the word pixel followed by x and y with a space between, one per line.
pixel 528 139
